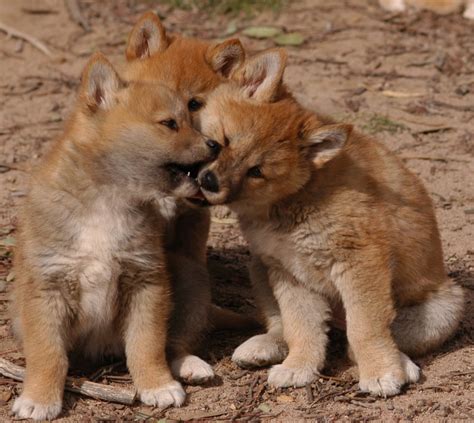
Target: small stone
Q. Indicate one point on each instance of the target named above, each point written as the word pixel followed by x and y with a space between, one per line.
pixel 462 90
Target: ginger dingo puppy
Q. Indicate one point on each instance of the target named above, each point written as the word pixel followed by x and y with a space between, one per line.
pixel 90 264
pixel 333 220
pixel 193 68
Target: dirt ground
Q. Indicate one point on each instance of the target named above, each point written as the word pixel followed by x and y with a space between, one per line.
pixel 407 79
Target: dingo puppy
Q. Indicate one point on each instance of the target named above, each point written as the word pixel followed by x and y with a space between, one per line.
pixel 90 264
pixel 193 68
pixel 442 7
pixel 332 219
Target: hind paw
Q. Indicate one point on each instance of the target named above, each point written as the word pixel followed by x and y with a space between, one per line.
pixel 192 369
pixel 260 350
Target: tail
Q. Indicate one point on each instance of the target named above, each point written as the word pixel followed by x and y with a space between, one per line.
pixel 424 327
pixel 221 318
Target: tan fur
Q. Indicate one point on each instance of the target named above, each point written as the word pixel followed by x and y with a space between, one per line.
pixel 193 68
pixel 442 7
pixel 332 219
pixel 91 269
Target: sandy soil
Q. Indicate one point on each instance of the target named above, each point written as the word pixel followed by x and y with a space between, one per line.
pixel 407 79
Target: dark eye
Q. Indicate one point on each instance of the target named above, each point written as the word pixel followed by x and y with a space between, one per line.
pixel 254 172
pixel 170 123
pixel 194 105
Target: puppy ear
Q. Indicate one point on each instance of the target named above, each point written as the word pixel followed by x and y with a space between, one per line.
pixel 261 75
pixel 148 37
pixel 225 57
pixel 100 83
pixel 326 142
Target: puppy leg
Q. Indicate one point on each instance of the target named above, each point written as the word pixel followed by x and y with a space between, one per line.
pixel 365 288
pixel 270 347
pixel 149 306
pixel 305 315
pixel 43 324
pixel 190 318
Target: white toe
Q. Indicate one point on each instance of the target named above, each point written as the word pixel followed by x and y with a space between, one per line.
pixel 260 350
pixel 26 408
pixel 412 371
pixel 192 369
pixel 171 394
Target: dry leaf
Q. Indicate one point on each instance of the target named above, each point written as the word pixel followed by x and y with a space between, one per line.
pixel 261 31
pixel 290 39
pixel 284 398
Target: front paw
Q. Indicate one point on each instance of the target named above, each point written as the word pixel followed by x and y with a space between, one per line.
pixel 26 408
pixel 260 350
pixel 170 394
pixel 390 382
pixel 282 376
pixel 192 369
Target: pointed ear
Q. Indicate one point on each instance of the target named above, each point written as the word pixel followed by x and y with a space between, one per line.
pixel 261 75
pixel 326 142
pixel 148 37
pixel 225 57
pixel 100 83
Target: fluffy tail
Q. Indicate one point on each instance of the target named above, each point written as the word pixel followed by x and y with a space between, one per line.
pixel 221 318
pixel 423 327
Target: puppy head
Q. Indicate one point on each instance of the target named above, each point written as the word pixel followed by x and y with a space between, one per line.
pixel 138 135
pixel 189 66
pixel 269 149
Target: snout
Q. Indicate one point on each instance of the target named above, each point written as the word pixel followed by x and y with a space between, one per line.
pixel 208 181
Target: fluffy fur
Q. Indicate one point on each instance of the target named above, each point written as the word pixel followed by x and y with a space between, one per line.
pixel 193 68
pixel 334 221
pixel 91 270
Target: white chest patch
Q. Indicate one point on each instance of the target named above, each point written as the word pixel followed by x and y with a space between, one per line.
pixel 303 256
pixel 103 231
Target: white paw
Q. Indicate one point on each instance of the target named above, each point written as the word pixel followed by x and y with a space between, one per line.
pixel 469 12
pixel 192 369
pixel 170 394
pixel 281 376
pixel 412 371
pixel 390 384
pixel 393 5
pixel 260 350
pixel 385 386
pixel 25 408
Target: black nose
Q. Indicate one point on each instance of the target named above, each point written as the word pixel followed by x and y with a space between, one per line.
pixel 209 182
pixel 214 146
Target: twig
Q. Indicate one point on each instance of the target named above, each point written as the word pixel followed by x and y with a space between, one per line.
pixel 434 130
pixel 78 386
pixel 330 394
pixel 12 32
pixel 105 371
pixel 459 108
pixel 309 393
pixel 434 159
pixel 76 15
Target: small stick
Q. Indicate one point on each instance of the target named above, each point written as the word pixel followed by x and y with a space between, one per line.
pixel 12 32
pixel 78 386
pixel 76 15
pixel 309 393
